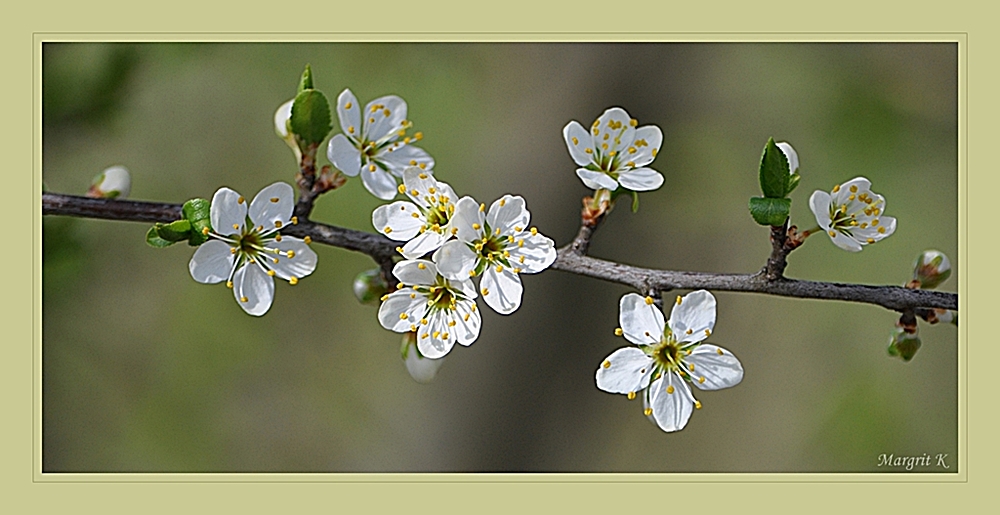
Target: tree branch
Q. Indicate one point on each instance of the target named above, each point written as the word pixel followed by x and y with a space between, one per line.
pixel 571 258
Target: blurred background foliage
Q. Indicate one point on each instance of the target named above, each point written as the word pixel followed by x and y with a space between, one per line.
pixel 146 370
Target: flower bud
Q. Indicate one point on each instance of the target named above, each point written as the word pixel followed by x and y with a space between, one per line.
pixel 931 269
pixel 421 369
pixel 942 316
pixel 282 122
pixel 113 182
pixel 369 286
pixel 903 344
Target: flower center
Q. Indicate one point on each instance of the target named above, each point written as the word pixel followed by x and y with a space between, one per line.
pixel 667 355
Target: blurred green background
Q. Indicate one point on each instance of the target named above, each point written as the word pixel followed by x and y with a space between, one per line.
pixel 146 370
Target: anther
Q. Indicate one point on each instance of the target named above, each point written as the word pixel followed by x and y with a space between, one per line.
pixel 437 333
pixel 293 280
pixel 476 227
pixel 854 188
pixel 421 266
pixel 232 250
pixel 466 317
pixel 205 231
pixel 833 234
pixel 413 295
pixel 486 291
pixel 852 197
pixel 588 151
pixel 689 331
pixel 270 273
pixel 444 336
pixel 719 352
pixel 502 202
pixel 387 229
pixel 618 331
pixel 423 321
pixel 277 224
pixel 520 259
pixel 631 395
pixel 518 228
pixel 401 189
pixel 653 153
pixel 499 268
pixel 229 284
pixel 701 380
pixel 431 190
pixel 679 300
pixel 836 188
pixel 403 316
pixel 649 301
pixel 372 168
pixel 386 112
pixel 291 254
pixel 708 333
pixel 534 231
pixel 422 166
pixel 520 243
pixel 350 129
pixel 295 220
pixel 697 404
pixel 451 323
pixel 881 230
pixel 384 297
pixel 244 299
pixel 874 222
pixel 413 328
pixel 414 193
pixel 307 239
pixel 348 105
pixel 576 141
pixel 236 226
pixel 606 364
pixel 691 367
pixel 497 232
pixel 454 230
pixel 647 411
pixel 425 335
pixel 472 273
pixel 275 261
pixel 241 200
pixel 871 240
pixel 670 389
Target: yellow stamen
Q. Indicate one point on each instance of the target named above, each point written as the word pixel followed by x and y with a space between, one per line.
pixel 697 404
pixel 423 166
pixel 403 316
pixel 631 395
pixel 295 220
pixel 423 321
pixel 679 300
pixel 520 259
pixel 205 231
pixel 649 301
pixel 871 240
pixel 606 364
pixel 534 231
pixel 293 280
pixel 421 266
pixel 719 351
pixel 291 254
pixel 229 284
pixel 476 227
pixel 499 269
pixel 270 273
pixel 833 234
pixel 836 188
pixel 881 230
pixel 670 389
pixel 472 273
pixel 701 380
pixel 647 411
pixel 502 202
pixel 387 229
pixel 486 291
pixel 466 317
pixel 232 250
pixel 689 331
pixel 618 331
pixel 236 227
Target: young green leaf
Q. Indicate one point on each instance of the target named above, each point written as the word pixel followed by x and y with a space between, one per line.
pixel 311 117
pixel 793 181
pixel 197 211
pixel 774 172
pixel 770 211
pixel 153 239
pixel 306 82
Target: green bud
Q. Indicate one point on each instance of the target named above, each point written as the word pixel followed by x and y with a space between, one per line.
pixel 931 269
pixel 369 286
pixel 114 182
pixel 903 344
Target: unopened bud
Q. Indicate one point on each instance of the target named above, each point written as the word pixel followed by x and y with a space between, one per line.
pixel 282 121
pixel 904 344
pixel 942 316
pixel 369 286
pixel 421 369
pixel 931 269
pixel 114 182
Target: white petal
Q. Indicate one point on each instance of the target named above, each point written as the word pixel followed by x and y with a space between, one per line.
pixel 432 346
pixel 419 246
pixel 506 213
pixel 227 212
pixel 504 290
pixel 419 184
pixel 399 303
pixel 466 288
pixel 596 180
pixel 421 369
pixel 629 370
pixel 455 260
pixel 538 252
pixel 641 322
pixel 281 117
pixel 467 329
pixel 693 316
pixel 415 271
pixel 819 203
pixel 648 140
pixel 251 283
pixel 719 370
pixel 671 410
pixel 114 182
pixel 404 156
pixel 273 206
pixel 302 263
pixel 618 138
pixel 466 215
pixel 212 262
pixel 791 155
pixel 844 241
pixel 583 140
pixel 344 155
pixel 350 117
pixel 890 227
pixel 379 183
pixel 398 217
pixel 640 179
pixel 384 124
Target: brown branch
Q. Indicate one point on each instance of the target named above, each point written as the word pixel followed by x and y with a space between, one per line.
pixel 571 258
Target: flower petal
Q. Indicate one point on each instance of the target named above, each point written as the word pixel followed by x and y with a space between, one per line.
pixel 399 218
pixel 719 368
pixel 506 213
pixel 431 338
pixel 302 263
pixel 422 369
pixel 349 114
pixel 272 207
pixel 536 254
pixel 398 158
pixel 628 370
pixel 640 179
pixel 383 117
pixel 256 287
pixel 844 241
pixel 596 180
pixel 843 194
pixel 398 304
pixel 455 260
pixel 790 154
pixel 694 317
pixel 227 212
pixel 615 132
pixel 344 155
pixel 648 140
pixel 379 182
pixel 212 262
pixel 641 321
pixel 468 321
pixel 467 214
pixel 501 290
pixel 578 140
pixel 819 203
pixel 671 411
pixel 415 271
pixel 418 184
pixel 281 117
pixel 419 246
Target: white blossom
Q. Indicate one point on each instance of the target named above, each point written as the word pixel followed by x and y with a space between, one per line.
pixel 374 143
pixel 615 152
pixel 668 358
pixel 851 214
pixel 247 251
pixel 497 245
pixel 424 224
pixel 439 310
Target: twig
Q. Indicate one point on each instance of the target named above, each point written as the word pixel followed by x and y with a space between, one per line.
pixel 571 258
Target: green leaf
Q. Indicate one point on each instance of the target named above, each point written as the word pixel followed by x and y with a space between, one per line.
pixel 178 230
pixel 774 173
pixel 306 82
pixel 154 240
pixel 770 211
pixel 197 211
pixel 793 182
pixel 310 117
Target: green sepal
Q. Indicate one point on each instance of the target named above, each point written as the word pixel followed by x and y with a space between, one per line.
pixel 774 172
pixel 306 82
pixel 198 212
pixel 770 211
pixel 635 201
pixel 310 120
pixel 793 182
pixel 178 230
pixel 153 239
pixel 904 349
